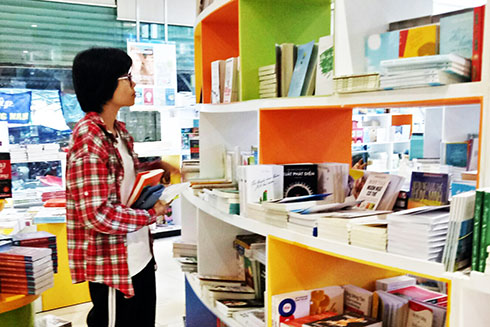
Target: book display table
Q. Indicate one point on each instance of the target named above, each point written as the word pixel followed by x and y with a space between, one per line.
pixel 17 310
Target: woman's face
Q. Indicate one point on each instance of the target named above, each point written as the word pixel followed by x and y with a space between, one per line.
pixel 124 95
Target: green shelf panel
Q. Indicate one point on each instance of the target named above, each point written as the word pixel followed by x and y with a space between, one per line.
pixel 263 23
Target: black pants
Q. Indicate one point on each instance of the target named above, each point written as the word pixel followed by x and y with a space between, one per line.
pixel 136 311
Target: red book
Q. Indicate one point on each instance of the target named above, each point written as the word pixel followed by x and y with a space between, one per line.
pixel 420 294
pixel 478 21
pixel 24 253
pixel 304 320
pixel 143 179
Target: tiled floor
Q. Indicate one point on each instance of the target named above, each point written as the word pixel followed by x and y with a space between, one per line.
pixel 170 292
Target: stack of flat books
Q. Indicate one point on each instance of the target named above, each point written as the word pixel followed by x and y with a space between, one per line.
pixel 268 87
pixel 228 307
pixel 356 83
pixel 419 232
pixel 39 239
pixel 251 318
pixel 25 270
pixel 370 233
pixel 184 249
pixel 425 71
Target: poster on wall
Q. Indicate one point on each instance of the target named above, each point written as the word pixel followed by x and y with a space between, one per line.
pixel 155 73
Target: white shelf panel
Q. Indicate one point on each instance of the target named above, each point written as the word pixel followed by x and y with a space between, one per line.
pixel 378 98
pixel 153 149
pixel 210 9
pixel 197 290
pixel 380 143
pixel 359 254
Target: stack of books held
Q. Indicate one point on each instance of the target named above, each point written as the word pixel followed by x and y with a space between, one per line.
pixel 39 239
pixel 419 232
pixel 424 71
pixel 268 86
pixel 25 270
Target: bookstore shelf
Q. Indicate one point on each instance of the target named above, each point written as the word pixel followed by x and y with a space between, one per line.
pixel 9 302
pixel 213 8
pixel 370 257
pixel 462 93
pixel 230 322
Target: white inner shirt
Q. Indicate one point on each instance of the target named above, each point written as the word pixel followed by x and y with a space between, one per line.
pixel 139 253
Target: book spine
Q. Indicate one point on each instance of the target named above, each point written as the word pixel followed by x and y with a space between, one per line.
pixel 483 232
pixel 475 250
pixel 478 21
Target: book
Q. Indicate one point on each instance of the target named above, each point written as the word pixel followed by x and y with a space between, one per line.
pixel 478 28
pixel 419 41
pixel 404 64
pixel 393 283
pixel 300 179
pixel 172 191
pixel 24 253
pixel 421 314
pixel 484 231
pixel 299 322
pixel 373 190
pixel 144 179
pixel 310 78
pixel 455 153
pixel 288 58
pixel 456 34
pixel 301 67
pixel 346 320
pixel 421 294
pixel 293 305
pixel 381 46
pixel 389 308
pixel 475 248
pixel 218 68
pixel 227 307
pixel 428 189
pixel 230 91
pixel 357 300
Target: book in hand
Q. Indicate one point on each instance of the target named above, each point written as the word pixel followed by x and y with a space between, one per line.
pixel 346 320
pixel 144 179
pixel 148 197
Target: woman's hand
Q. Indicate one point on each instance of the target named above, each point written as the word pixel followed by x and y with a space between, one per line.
pixel 161 207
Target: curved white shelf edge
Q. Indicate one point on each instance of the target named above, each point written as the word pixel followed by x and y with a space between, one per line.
pixel 209 10
pixel 350 252
pixel 230 322
pixel 362 99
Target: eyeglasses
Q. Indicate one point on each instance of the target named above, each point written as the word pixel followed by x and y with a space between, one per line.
pixel 127 76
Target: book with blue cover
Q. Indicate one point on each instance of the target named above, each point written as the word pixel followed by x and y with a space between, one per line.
pixel 456 34
pixel 380 47
pixel 301 69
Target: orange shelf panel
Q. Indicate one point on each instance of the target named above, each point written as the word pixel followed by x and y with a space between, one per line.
pixel 397 120
pixel 198 61
pixel 291 136
pixel 219 41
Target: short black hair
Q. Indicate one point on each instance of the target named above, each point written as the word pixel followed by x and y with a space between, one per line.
pixel 95 76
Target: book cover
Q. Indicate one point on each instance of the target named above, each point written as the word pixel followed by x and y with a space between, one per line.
pixel 300 179
pixel 484 231
pixel 346 320
pixel 393 283
pixel 217 80
pixel 422 314
pixel 382 46
pixel 300 69
pixel 420 294
pixel 230 91
pixel 301 321
pixel 357 300
pixel 428 189
pixel 456 154
pixel 456 34
pixel 143 179
pixel 476 58
pixel 373 190
pixel 239 304
pixel 325 66
pixel 419 41
pixel 310 78
pixel 288 58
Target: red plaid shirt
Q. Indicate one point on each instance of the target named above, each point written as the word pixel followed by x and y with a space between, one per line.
pixel 97 222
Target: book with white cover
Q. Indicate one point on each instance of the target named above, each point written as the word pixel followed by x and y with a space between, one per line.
pixel 230 92
pixel 357 300
pixel 373 190
pixel 325 66
pixel 218 68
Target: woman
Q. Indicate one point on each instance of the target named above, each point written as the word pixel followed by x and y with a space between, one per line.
pixel 109 244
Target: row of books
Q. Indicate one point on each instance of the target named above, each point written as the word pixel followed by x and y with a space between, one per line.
pixel 224 80
pixel 34 152
pixel 459 33
pixel 396 301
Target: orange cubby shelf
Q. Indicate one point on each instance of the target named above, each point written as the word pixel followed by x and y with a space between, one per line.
pixel 305 135
pixel 218 41
pixel 198 61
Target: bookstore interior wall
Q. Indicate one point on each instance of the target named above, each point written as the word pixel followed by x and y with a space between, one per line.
pixel 399 124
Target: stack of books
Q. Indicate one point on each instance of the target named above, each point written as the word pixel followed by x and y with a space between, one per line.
pixel 190 170
pixel 43 152
pixel 188 264
pixel 419 232
pixel 184 249
pixel 268 87
pixel 228 307
pixel 39 239
pixel 303 223
pixel 424 71
pixel 50 215
pixel 25 270
pixel 370 233
pixel 251 318
pixel 356 83
pixel 252 269
pixel 225 200
pixel 212 293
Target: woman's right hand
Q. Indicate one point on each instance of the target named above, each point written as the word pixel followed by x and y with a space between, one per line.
pixel 161 207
